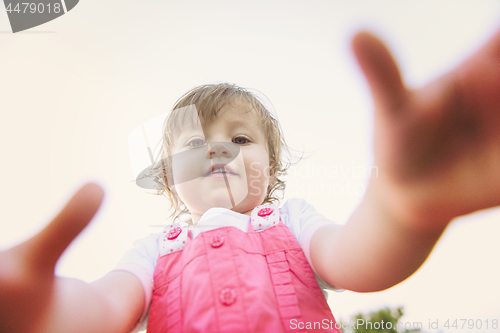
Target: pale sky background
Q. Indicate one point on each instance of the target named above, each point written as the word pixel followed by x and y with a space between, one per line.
pixel 72 90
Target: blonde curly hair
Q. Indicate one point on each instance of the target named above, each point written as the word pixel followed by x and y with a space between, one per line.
pixel 209 100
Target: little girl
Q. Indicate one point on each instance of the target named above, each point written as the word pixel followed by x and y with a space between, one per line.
pixel 239 264
pixel 232 260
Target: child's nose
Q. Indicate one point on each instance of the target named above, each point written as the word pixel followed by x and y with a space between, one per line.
pixel 220 149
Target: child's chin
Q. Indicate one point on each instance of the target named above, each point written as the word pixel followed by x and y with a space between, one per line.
pixel 225 201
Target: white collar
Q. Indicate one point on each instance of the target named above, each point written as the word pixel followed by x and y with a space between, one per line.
pixel 174 237
pixel 218 217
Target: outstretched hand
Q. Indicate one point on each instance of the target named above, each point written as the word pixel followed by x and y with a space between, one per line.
pixel 437 148
pixel 27 270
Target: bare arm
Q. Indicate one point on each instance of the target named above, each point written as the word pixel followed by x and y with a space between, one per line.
pixel 110 304
pixel 32 299
pixel 372 252
pixel 438 154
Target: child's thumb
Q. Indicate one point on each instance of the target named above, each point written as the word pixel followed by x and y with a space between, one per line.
pixel 381 72
pixel 45 248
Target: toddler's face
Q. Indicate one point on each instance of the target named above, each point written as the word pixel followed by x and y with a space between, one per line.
pixel 225 163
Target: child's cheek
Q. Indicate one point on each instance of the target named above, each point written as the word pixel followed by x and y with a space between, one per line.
pixel 255 170
pixel 255 188
pixel 258 179
pixel 187 165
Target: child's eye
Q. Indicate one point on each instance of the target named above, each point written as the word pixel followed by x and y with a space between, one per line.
pixel 196 143
pixel 241 140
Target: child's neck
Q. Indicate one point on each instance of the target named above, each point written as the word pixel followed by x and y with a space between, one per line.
pixel 195 218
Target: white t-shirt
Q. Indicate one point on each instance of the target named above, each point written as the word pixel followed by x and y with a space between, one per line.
pixel 299 216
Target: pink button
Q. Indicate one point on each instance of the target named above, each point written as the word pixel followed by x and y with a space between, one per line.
pixel 217 241
pixel 265 212
pixel 174 233
pixel 227 296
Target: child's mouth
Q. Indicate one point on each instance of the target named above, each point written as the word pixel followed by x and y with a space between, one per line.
pixel 220 171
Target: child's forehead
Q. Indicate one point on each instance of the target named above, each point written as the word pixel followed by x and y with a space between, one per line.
pixel 232 113
pixel 236 115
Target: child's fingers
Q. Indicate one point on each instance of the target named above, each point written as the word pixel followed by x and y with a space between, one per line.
pixel 381 72
pixel 45 248
pixel 479 77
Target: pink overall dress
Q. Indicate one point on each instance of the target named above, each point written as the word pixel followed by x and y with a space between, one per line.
pixel 228 280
